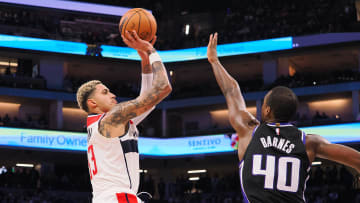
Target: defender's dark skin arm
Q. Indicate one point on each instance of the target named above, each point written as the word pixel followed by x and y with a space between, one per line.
pixel 317 146
pixel 240 119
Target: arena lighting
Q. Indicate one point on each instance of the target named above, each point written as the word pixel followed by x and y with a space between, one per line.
pixel 194 178
pixel 143 171
pixel 25 165
pixel 197 171
pixel 187 29
pixel 316 163
pixel 198 53
pixel 73 6
pixel 47 45
pixel 126 53
pixel 12 64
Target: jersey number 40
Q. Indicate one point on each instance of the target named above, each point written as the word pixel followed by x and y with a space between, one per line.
pixel 283 163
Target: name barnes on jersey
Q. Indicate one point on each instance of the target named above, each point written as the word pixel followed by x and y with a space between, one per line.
pixel 279 143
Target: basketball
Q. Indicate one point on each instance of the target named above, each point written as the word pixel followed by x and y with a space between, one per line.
pixel 140 20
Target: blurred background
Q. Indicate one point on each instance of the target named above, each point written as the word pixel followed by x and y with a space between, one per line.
pixel 37 91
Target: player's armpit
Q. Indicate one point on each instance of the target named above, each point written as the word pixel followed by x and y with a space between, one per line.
pixel 335 152
pixel 242 121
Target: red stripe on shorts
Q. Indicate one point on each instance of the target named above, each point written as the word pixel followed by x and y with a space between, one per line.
pixel 126 198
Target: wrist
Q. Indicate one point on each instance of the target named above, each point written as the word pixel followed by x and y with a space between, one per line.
pixel 154 56
pixel 214 61
pixel 150 50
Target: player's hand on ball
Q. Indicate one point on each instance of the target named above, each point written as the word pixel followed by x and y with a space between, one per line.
pixel 211 50
pixel 143 54
pixel 133 40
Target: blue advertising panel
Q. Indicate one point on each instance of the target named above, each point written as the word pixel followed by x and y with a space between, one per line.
pixel 73 6
pixel 46 139
pixel 185 145
pixel 59 140
pixel 126 53
pixel 200 52
pixel 30 43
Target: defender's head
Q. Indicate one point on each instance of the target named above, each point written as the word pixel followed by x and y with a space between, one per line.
pixel 280 105
pixel 95 97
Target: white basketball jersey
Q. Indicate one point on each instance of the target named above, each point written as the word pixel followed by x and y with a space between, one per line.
pixel 113 162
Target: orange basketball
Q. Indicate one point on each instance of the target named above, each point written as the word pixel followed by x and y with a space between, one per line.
pixel 140 20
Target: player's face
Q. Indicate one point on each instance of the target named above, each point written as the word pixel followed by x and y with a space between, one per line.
pixel 104 99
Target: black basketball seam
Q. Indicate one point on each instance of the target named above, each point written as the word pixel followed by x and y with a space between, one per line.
pixel 147 17
pixel 138 32
pixel 122 25
pixel 129 20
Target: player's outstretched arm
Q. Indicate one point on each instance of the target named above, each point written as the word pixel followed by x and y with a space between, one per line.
pixel 322 148
pixel 241 120
pixel 115 122
pixel 146 80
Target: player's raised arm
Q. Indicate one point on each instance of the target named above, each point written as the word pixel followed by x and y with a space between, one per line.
pixel 240 118
pixel 146 80
pixel 115 122
pixel 322 148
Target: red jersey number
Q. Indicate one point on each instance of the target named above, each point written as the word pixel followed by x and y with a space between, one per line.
pixel 92 161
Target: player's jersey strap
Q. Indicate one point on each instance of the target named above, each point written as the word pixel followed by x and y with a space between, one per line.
pixel 93 118
pixel 129 146
pixel 126 198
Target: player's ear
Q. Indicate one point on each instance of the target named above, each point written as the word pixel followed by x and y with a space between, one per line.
pixel 267 111
pixel 91 103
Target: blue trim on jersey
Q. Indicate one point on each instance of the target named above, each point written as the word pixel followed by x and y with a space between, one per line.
pixel 306 180
pixel 127 168
pixel 253 133
pixel 241 166
pixel 303 137
pixel 241 162
pixel 129 146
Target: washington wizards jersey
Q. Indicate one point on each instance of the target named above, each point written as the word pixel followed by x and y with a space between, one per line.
pixel 113 162
pixel 275 166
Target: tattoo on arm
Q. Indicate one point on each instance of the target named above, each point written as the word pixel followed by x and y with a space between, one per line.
pixel 146 68
pixel 118 115
pixel 123 112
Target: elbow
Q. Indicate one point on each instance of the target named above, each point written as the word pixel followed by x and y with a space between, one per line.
pixel 167 89
pixel 164 88
pixel 358 166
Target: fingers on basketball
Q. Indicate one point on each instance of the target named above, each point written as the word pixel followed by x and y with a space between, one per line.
pixel 140 20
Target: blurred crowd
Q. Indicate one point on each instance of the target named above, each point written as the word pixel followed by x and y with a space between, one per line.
pixel 131 90
pixel 40 123
pixel 330 184
pixel 27 185
pixel 235 21
pixel 211 89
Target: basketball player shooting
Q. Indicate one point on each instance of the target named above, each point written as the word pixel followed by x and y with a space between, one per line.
pixel 113 157
pixel 275 156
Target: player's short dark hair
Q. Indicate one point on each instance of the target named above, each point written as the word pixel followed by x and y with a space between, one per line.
pixel 283 103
